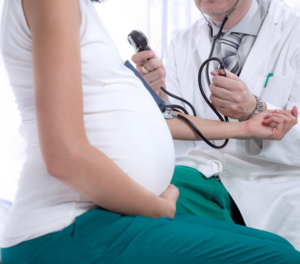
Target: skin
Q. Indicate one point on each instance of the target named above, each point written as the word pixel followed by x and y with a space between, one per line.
pixel 156 77
pixel 218 9
pixel 66 151
pixel 230 96
pixel 267 125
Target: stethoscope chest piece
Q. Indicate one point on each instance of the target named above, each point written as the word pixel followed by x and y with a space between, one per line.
pixel 138 40
pixel 169 113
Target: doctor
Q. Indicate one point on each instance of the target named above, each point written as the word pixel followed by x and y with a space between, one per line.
pixel 262 177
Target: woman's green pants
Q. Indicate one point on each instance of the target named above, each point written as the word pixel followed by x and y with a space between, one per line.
pixel 99 237
pixel 206 197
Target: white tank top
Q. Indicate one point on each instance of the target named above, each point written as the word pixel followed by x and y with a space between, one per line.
pixel 121 120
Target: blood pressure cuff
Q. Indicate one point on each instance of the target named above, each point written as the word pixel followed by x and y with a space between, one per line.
pixel 160 103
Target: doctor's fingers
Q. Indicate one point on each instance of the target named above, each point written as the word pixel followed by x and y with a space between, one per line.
pixel 157 84
pixel 229 84
pixel 154 75
pixel 151 66
pixel 142 57
pixel 155 64
pixel 223 106
pixel 218 102
pixel 229 74
pixel 224 94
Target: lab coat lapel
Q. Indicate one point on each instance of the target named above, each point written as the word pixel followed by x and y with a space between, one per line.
pixel 202 41
pixel 267 39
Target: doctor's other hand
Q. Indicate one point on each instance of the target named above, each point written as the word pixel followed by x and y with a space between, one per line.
pixel 157 72
pixel 231 96
pixel 271 124
pixel 170 196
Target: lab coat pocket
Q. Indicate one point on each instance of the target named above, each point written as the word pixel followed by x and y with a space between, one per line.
pixel 277 90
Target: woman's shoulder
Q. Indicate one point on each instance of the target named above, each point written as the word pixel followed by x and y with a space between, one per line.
pixel 14 28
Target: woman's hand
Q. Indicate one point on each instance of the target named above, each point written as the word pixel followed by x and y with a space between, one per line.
pixel 170 196
pixel 271 124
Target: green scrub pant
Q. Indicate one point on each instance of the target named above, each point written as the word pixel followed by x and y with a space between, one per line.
pixel 206 197
pixel 102 237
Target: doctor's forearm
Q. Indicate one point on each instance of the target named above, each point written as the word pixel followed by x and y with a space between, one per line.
pixel 211 129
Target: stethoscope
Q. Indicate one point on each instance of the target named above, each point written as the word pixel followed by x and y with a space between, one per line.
pixel 140 43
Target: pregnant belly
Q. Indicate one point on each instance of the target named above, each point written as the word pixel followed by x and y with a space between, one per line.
pixel 134 135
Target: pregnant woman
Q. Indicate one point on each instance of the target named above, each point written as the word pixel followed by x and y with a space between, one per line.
pixel 95 187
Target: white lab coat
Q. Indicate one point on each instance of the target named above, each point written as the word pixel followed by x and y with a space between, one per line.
pixel 263 177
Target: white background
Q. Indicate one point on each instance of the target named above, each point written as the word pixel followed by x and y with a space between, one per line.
pixel 120 17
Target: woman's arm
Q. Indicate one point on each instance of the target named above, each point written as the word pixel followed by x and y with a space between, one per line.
pixel 59 108
pixel 267 125
pixel 211 129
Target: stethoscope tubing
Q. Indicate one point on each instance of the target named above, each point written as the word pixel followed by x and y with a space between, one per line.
pixel 179 108
pixel 205 63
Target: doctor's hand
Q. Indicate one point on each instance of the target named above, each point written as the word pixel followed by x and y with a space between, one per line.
pixel 231 96
pixel 157 73
pixel 271 124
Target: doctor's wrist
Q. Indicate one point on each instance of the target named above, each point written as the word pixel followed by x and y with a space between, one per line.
pixel 260 106
pixel 265 106
pixel 252 104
